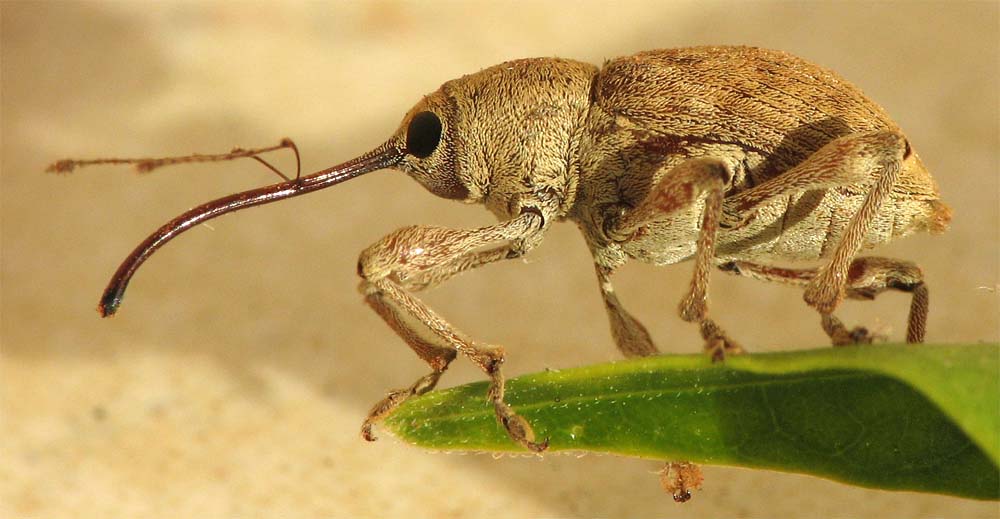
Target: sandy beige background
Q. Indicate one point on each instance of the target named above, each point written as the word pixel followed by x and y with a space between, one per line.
pixel 233 381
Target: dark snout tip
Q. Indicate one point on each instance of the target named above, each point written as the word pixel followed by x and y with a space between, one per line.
pixel 109 304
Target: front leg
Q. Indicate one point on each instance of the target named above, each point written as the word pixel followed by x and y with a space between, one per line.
pixel 419 256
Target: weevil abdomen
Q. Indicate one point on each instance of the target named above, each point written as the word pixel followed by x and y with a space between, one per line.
pixel 765 112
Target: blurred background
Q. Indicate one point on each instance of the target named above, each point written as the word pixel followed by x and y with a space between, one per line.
pixel 235 378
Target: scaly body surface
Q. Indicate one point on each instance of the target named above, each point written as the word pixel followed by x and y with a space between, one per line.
pixel 635 118
pixel 763 111
pixel 736 158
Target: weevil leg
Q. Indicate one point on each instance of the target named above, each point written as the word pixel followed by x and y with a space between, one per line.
pixel 438 357
pixel 435 355
pixel 679 189
pixel 872 161
pixel 679 478
pixel 430 349
pixel 867 277
pixel 827 289
pixel 630 335
pixel 423 280
pixel 419 256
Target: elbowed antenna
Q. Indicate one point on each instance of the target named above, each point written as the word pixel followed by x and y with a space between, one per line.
pixel 386 155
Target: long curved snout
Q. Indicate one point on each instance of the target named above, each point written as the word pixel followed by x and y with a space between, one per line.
pixel 385 156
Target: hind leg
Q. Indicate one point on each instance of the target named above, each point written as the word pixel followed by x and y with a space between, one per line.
pixel 868 161
pixel 867 277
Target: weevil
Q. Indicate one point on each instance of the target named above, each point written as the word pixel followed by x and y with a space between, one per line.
pixel 740 159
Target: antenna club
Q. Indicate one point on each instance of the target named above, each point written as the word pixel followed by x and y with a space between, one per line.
pixel 62 166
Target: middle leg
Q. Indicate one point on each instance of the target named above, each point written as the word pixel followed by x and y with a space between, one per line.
pixel 680 189
pixel 629 334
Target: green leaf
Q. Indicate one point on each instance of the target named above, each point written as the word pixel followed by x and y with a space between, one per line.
pixel 902 417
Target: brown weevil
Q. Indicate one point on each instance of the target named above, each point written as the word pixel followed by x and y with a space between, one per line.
pixel 738 158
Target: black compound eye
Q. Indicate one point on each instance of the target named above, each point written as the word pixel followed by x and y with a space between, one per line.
pixel 423 135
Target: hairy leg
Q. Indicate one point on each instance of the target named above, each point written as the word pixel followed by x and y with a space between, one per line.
pixel 630 335
pixel 871 161
pixel 680 189
pixel 867 277
pixel 420 256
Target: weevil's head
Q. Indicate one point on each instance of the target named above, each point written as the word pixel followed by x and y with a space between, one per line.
pixel 500 134
pixel 428 136
pixel 504 136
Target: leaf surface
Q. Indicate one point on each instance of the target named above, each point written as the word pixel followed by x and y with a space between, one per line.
pixel 902 417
